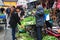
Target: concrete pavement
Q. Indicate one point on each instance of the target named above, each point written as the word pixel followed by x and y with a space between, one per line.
pixel 6 34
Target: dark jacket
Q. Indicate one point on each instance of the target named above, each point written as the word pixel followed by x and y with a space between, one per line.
pixel 22 13
pixel 14 19
pixel 8 11
pixel 39 16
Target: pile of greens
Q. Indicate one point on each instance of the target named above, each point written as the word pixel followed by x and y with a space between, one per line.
pixel 24 36
pixel 46 11
pixel 49 38
pixel 30 20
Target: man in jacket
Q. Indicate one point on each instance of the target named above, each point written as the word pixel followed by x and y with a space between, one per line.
pixel 39 20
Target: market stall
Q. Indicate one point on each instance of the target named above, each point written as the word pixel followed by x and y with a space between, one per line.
pixel 54 30
pixel 27 25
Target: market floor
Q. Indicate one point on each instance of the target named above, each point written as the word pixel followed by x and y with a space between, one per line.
pixel 5 34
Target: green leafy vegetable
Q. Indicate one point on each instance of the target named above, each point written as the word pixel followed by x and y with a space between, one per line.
pixel 49 38
pixel 28 21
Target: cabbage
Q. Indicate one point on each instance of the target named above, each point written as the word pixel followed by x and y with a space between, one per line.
pixel 30 20
pixel 24 36
pixel 49 38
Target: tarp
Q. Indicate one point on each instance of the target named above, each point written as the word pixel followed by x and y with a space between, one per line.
pixel 58 3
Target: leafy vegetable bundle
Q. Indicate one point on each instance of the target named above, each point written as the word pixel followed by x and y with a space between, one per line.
pixel 24 36
pixel 30 20
pixel 49 38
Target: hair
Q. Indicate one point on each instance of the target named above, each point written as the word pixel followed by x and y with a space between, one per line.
pixel 2 9
pixel 38 3
pixel 13 6
pixel 22 10
pixel 17 8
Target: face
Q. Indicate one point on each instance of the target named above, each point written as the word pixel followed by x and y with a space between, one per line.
pixel 12 9
pixel 17 10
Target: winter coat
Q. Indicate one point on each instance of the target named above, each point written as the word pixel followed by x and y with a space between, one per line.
pixel 39 16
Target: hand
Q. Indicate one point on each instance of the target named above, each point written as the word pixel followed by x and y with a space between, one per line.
pixel 22 18
pixel 22 26
pixel 58 30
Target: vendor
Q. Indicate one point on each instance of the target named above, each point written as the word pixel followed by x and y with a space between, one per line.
pixel 39 20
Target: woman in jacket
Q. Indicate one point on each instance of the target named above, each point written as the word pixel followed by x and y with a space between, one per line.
pixel 14 20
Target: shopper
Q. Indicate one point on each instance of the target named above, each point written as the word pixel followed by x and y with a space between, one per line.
pixel 8 16
pixel 39 20
pixel 14 19
pixel 8 11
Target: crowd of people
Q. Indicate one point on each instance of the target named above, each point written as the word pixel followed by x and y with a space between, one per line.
pixel 16 14
pixel 13 17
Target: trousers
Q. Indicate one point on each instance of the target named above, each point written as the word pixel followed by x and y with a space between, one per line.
pixel 39 33
pixel 13 33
